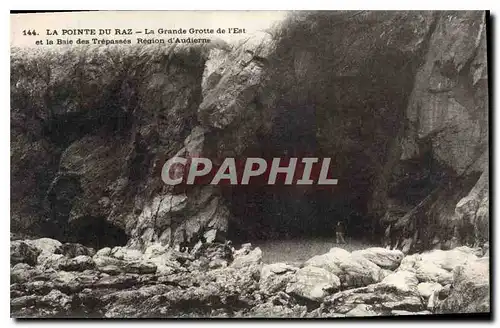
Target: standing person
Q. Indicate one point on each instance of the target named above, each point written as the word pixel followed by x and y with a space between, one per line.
pixel 340 233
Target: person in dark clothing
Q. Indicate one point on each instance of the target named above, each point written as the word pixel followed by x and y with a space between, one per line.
pixel 340 233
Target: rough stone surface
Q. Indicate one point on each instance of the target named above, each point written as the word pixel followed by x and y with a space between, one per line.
pixel 254 257
pixel 448 108
pixel 313 283
pixel 22 252
pixel 354 270
pixel 275 277
pixel 79 263
pixel 470 292
pixel 404 281
pixel 105 286
pixel 384 258
pixel 377 299
pixel 46 245
pixel 426 289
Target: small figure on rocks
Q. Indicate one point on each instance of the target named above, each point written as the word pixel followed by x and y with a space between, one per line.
pixel 454 242
pixel 340 233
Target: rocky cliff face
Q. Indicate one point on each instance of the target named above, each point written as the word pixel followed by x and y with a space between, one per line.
pixel 91 129
pixel 446 133
pixel 397 99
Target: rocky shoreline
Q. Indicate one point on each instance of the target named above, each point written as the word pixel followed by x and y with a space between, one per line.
pixel 52 279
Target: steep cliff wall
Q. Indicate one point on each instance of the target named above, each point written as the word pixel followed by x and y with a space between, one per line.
pixel 397 99
pixel 447 127
pixel 91 129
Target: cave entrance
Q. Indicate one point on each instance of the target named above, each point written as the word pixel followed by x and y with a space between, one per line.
pixel 293 212
pixel 96 232
pixel 91 231
pixel 352 119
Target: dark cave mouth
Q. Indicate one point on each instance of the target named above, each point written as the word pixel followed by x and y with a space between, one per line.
pixel 288 212
pixel 274 212
pixel 348 121
pixel 352 120
pixel 95 232
pixel 307 212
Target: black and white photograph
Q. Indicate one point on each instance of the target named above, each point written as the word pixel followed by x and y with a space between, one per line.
pixel 250 164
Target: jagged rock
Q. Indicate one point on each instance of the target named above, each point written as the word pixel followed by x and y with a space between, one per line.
pixel 214 251
pixel 486 250
pixel 23 302
pixel 430 272
pixel 22 252
pixel 184 258
pixel 199 291
pixel 426 289
pixel 409 262
pixel 472 211
pixel 358 271
pixel 48 260
pixel 217 263
pixel 140 267
pixel 111 264
pixel 281 305
pixel 211 236
pixel 313 283
pixel 78 263
pixel 384 258
pixel 397 291
pixel 354 270
pixel 23 272
pixel 128 303
pixel 270 310
pixel 163 257
pixel 433 300
pixel 71 250
pixel 254 257
pixel 47 245
pixel 382 299
pixel 437 265
pixel 111 269
pixel 124 253
pixel 55 300
pixel 450 259
pixel 470 292
pixel 403 281
pixel 326 261
pixel 275 277
pixel 155 250
pixel 243 250
pixel 102 261
pixel 361 310
pixel 237 283
pixel 165 120
pixel 444 292
pixel 106 251
pixel 118 282
pixel 239 83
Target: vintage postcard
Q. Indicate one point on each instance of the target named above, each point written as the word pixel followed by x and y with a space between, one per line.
pixel 249 164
